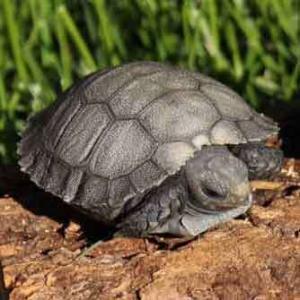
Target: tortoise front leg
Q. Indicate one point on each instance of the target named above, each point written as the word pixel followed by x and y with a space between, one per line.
pixel 263 162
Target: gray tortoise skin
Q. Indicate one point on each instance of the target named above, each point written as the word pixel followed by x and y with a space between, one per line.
pixel 115 136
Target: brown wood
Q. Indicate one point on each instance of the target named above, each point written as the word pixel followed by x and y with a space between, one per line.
pixel 255 257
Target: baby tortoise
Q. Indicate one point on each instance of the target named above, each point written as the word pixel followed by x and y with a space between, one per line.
pixel 150 149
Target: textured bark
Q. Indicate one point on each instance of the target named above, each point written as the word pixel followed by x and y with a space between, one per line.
pixel 255 257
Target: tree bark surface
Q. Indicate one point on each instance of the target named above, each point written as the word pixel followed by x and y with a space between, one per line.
pixel 254 257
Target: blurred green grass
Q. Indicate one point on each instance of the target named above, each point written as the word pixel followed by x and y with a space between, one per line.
pixel 46 45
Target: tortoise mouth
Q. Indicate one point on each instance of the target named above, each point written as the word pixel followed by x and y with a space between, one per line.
pixel 216 207
pixel 194 224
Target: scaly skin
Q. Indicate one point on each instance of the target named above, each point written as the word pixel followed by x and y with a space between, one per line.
pixel 262 162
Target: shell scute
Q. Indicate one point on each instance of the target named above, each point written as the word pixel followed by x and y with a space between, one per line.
pixel 125 146
pixel 179 115
pixel 80 136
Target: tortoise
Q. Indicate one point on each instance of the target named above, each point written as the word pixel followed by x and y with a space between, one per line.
pixel 147 148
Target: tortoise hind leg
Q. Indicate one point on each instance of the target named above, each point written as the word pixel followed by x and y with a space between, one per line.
pixel 263 162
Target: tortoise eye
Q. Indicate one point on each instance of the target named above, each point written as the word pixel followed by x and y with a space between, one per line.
pixel 212 193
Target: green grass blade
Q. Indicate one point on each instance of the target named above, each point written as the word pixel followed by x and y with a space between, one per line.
pixel 14 38
pixel 72 29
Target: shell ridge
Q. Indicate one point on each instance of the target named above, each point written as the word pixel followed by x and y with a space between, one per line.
pixel 63 128
pixel 168 92
pixel 127 83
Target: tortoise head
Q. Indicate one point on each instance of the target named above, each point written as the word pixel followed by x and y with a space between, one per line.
pixel 217 180
pixel 212 188
pixel 217 190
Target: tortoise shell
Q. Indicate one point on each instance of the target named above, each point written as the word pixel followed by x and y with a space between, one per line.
pixel 116 134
